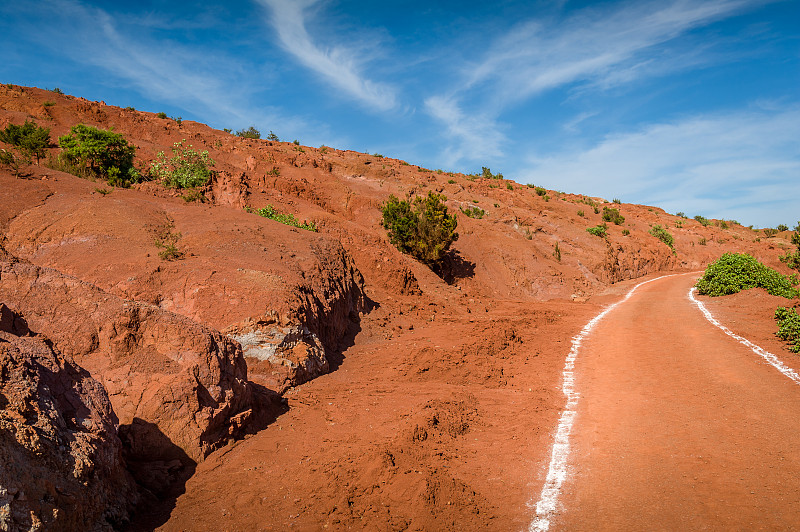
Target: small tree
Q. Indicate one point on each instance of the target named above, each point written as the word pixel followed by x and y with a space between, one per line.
pixel 30 139
pixel 101 153
pixel 249 133
pixel 422 228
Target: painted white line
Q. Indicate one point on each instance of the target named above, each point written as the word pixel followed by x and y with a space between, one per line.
pixel 771 359
pixel 557 473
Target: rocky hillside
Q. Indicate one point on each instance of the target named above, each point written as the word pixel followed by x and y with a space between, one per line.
pixel 203 347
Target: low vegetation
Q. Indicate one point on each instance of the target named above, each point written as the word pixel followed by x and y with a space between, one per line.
pixel 789 327
pixel 598 230
pixel 284 218
pixel 734 272
pixel 92 152
pixel 185 169
pixel 792 258
pixel 703 221
pixel 422 227
pixel 473 212
pixel 613 215
pixel 663 235
pixel 249 133
pixel 29 139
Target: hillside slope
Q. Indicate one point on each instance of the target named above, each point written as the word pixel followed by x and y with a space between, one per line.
pixel 417 387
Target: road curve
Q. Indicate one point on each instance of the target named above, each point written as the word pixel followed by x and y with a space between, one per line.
pixel 678 426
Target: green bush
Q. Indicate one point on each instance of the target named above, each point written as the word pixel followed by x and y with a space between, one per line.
pixel 30 139
pixel 272 136
pixel 789 327
pixel 782 227
pixel 473 212
pixel 287 219
pixel 540 191
pixel 99 153
pixel 680 214
pixel 734 272
pixel 421 228
pixel 662 234
pixel 161 115
pixel 249 133
pixel 626 232
pixel 769 232
pixel 616 200
pixel 792 258
pixel 613 215
pixel 703 221
pixel 598 230
pixel 487 174
pixel 187 168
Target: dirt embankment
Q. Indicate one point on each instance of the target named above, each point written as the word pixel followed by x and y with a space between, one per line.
pixel 400 393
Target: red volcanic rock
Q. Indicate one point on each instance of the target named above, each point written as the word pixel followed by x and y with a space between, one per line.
pixel 170 379
pixel 61 464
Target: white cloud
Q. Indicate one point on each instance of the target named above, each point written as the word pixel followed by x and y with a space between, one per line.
pixel 471 137
pixel 338 65
pixel 198 80
pixel 603 46
pixel 743 165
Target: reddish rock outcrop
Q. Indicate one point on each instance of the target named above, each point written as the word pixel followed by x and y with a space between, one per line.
pixel 170 379
pixel 61 464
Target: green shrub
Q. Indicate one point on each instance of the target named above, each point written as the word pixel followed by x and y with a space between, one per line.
pixel 296 142
pixel 598 230
pixel 613 215
pixel 509 186
pixel 782 227
pixel 167 241
pixel 13 162
pixel 487 174
pixel 616 200
pixel 540 191
pixel 421 227
pixel 249 133
pixel 161 115
pixel 580 213
pixel 789 327
pixel 99 153
pixel 451 181
pixel 702 241
pixel 187 168
pixel 722 224
pixel 626 232
pixel 703 221
pixel 30 139
pixel 58 91
pixel 287 219
pixel 48 103
pixel 734 272
pixel 662 234
pixel 769 232
pixel 557 252
pixel 680 214
pixel 272 136
pixel 473 212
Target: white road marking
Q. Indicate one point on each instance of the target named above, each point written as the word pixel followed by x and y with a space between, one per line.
pixel 557 473
pixel 771 359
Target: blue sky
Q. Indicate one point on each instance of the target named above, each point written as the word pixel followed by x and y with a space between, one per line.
pixel 688 105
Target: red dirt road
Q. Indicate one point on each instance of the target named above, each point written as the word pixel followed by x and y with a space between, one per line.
pixel 679 427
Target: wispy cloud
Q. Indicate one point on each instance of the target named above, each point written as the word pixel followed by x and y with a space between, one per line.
pixel 604 46
pixel 197 79
pixel 729 165
pixel 338 65
pixel 472 137
pixel 591 48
